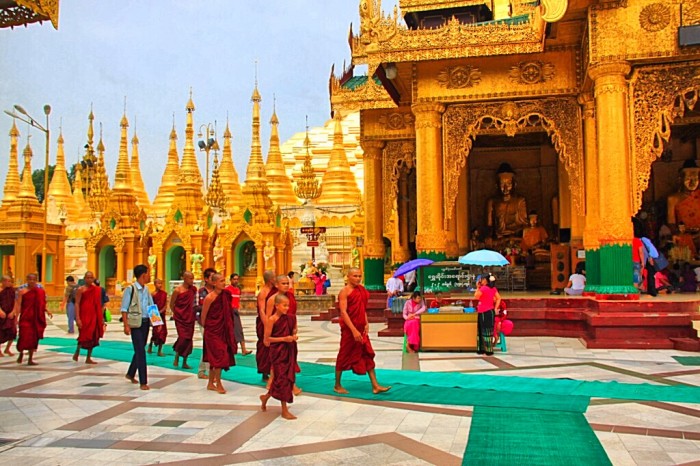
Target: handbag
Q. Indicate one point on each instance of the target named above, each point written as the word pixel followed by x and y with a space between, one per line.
pixel 134 315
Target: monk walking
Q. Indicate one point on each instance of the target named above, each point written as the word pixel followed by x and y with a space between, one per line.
pixel 283 284
pixel 30 307
pixel 280 338
pixel 160 332
pixel 356 351
pixel 89 317
pixel 202 293
pixel 182 307
pixel 8 320
pixel 219 339
pixel 262 353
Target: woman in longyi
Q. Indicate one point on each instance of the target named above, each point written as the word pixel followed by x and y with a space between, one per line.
pixel 412 310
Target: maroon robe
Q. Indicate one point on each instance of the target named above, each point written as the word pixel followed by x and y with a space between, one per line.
pixel 292 316
pixel 218 333
pixel 8 326
pixel 282 359
pixel 160 332
pixel 91 317
pixel 352 354
pixel 262 353
pixel 32 319
pixel 183 313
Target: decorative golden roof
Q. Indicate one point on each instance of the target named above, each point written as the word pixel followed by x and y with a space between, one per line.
pixel 89 159
pixel 168 184
pixel 410 6
pixel 256 193
pixel 26 187
pixel 307 186
pixel 281 190
pixel 229 177
pixel 136 179
pixel 99 183
pixel 339 184
pixel 122 198
pixel 12 178
pixel 26 205
pixel 59 187
pixel 22 12
pixel 188 195
pixel 81 206
pixel 350 93
pixel 215 198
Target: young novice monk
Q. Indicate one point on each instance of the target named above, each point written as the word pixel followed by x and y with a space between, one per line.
pixel 280 337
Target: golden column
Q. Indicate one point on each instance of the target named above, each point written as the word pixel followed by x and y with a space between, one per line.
pixel 615 206
pixel 462 210
pixel 400 250
pixel 431 240
pixel 592 218
pixel 374 219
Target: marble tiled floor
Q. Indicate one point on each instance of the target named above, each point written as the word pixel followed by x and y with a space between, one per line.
pixel 64 413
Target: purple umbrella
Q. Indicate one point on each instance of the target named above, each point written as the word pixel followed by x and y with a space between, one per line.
pixel 411 266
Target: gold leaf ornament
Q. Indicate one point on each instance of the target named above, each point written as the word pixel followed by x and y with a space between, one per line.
pixel 655 17
pixel 459 77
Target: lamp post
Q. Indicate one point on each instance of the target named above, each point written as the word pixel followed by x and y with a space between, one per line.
pixel 207 144
pixel 32 122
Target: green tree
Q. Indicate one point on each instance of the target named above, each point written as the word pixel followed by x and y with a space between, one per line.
pixel 38 179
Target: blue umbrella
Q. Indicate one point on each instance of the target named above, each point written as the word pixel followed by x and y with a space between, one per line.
pixel 484 258
pixel 411 266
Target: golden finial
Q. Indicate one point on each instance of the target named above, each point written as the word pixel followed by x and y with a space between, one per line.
pixel 307 186
pixel 216 199
pixel 14 132
pixel 190 103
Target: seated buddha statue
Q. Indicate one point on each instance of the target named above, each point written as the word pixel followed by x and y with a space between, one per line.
pixel 534 237
pixel 507 213
pixel 684 206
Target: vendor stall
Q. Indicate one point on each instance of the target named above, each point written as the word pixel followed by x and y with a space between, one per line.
pixel 448 332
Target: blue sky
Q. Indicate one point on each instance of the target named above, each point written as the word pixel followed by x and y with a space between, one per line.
pixel 152 52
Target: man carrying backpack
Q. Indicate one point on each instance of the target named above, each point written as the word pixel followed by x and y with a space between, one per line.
pixel 68 302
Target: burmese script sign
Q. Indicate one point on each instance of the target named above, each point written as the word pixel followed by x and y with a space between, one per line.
pixel 447 279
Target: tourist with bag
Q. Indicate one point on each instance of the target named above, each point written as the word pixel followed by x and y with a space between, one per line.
pixel 135 302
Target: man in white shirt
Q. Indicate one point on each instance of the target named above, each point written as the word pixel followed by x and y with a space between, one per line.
pixel 577 283
pixel 410 278
pixel 394 287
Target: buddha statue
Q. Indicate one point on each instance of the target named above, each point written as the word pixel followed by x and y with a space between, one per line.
pixel 219 257
pixel 250 262
pixel 507 213
pixel 152 259
pixel 534 237
pixel 196 259
pixel 269 256
pixel 684 206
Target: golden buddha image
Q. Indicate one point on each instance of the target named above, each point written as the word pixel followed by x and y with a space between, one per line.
pixel 507 213
pixel 684 206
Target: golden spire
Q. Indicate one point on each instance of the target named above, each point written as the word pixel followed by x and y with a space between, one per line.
pixel 12 179
pixel 168 184
pixel 229 177
pixel 339 184
pixel 307 186
pixel 122 198
pixel 256 193
pixel 99 184
pixel 26 187
pixel 216 199
pixel 26 204
pixel 188 195
pixel 136 180
pixel 281 190
pixel 79 199
pixel 89 158
pixel 59 187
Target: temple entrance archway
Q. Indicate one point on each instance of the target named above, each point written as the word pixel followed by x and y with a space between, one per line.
pixel 107 264
pixel 174 265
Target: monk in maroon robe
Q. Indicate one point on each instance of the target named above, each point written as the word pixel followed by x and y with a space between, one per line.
pixel 8 320
pixel 89 317
pixel 31 309
pixel 182 307
pixel 160 332
pixel 262 353
pixel 219 339
pixel 356 351
pixel 280 338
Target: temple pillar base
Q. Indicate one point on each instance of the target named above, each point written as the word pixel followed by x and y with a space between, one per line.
pixel 616 273
pixel 374 273
pixel 592 270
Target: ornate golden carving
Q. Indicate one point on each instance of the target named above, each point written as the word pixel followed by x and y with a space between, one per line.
pixel 114 236
pixel 164 231
pixel 691 12
pixel 531 72
pixel 372 149
pixel 396 121
pixel 399 157
pixel 382 39
pixel 373 250
pixel 366 96
pixel 655 17
pixel 428 114
pixel 559 118
pixel 660 94
pixel 29 11
pixel 554 10
pixel 459 77
pixel 241 227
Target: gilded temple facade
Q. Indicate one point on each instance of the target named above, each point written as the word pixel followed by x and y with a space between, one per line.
pixel 579 99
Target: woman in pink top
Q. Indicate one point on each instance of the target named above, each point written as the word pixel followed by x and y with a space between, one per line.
pixel 489 299
pixel 412 310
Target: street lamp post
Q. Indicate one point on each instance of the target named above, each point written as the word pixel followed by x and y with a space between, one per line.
pixel 207 144
pixel 31 121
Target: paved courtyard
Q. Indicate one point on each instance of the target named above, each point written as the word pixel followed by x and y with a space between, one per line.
pixel 62 412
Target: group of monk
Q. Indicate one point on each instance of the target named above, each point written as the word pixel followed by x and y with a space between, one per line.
pixel 211 308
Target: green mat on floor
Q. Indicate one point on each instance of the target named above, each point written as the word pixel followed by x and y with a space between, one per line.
pixel 428 387
pixel 688 360
pixel 516 436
